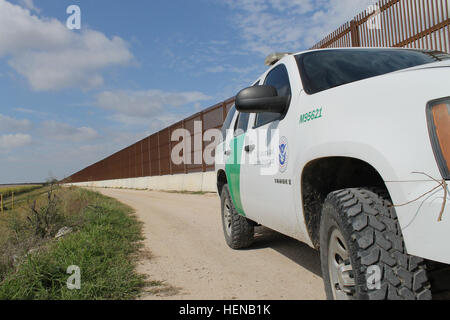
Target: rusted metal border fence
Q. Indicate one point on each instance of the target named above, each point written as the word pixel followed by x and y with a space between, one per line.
pixel 152 155
pixel 390 23
pixel 421 24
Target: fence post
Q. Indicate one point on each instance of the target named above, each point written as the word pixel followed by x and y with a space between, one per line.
pixel 1 202
pixel 13 201
pixel 355 34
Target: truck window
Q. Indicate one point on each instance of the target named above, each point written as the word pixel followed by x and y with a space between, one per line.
pixel 323 70
pixel 241 124
pixel 227 123
pixel 279 79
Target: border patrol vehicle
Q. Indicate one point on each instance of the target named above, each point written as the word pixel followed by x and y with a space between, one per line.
pixel 348 151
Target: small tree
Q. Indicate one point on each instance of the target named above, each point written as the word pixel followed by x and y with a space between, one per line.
pixel 45 220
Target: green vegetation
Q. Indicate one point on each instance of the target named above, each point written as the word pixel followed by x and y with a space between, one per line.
pixel 22 195
pixel 7 190
pixel 104 244
pixel 11 195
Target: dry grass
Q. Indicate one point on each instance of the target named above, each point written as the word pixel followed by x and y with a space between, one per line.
pixel 8 190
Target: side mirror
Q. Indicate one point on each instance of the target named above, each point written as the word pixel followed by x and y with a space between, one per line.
pixel 260 99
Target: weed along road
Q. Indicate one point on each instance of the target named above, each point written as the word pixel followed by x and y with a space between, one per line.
pixel 189 255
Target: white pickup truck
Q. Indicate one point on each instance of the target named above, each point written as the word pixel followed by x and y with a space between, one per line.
pixel 347 150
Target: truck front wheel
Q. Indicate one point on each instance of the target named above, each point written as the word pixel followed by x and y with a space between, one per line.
pixel 362 251
pixel 238 230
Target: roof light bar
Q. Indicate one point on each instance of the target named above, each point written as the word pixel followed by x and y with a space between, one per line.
pixel 275 57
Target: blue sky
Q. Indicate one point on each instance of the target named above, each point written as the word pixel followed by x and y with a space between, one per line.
pixel 72 97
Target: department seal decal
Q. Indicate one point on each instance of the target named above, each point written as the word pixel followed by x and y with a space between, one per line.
pixel 284 155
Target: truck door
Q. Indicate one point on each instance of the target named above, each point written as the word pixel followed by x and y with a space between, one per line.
pixel 266 186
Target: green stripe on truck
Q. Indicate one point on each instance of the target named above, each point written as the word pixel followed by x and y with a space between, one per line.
pixel 233 171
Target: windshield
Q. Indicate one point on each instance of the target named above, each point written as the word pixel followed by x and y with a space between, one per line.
pixel 322 70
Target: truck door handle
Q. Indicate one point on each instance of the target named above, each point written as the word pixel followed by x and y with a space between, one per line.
pixel 250 148
pixel 227 152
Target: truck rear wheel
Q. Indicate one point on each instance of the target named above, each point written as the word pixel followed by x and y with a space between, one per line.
pixel 362 250
pixel 238 230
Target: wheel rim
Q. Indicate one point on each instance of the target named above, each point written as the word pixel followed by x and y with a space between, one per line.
pixel 227 217
pixel 340 268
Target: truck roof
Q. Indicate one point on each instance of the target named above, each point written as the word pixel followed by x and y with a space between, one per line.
pixel 273 58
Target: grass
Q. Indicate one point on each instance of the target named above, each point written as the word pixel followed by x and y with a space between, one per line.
pixel 104 245
pixel 23 197
pixel 6 191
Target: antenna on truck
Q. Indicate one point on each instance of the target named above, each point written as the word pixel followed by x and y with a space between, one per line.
pixel 275 57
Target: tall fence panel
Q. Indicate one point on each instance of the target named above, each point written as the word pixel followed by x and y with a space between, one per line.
pixel 146 157
pixel 421 24
pixel 164 152
pixel 178 167
pixel 194 127
pixel 213 118
pixel 152 156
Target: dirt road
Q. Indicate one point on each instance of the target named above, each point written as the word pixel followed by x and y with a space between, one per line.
pixel 189 254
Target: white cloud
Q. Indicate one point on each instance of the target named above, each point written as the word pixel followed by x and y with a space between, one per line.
pixel 12 141
pixel 290 25
pixel 50 56
pixel 29 4
pixel 65 132
pixel 8 124
pixel 132 107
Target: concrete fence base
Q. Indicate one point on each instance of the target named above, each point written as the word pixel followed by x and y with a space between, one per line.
pixel 192 182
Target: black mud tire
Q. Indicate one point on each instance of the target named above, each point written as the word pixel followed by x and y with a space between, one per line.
pixel 239 231
pixel 369 224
